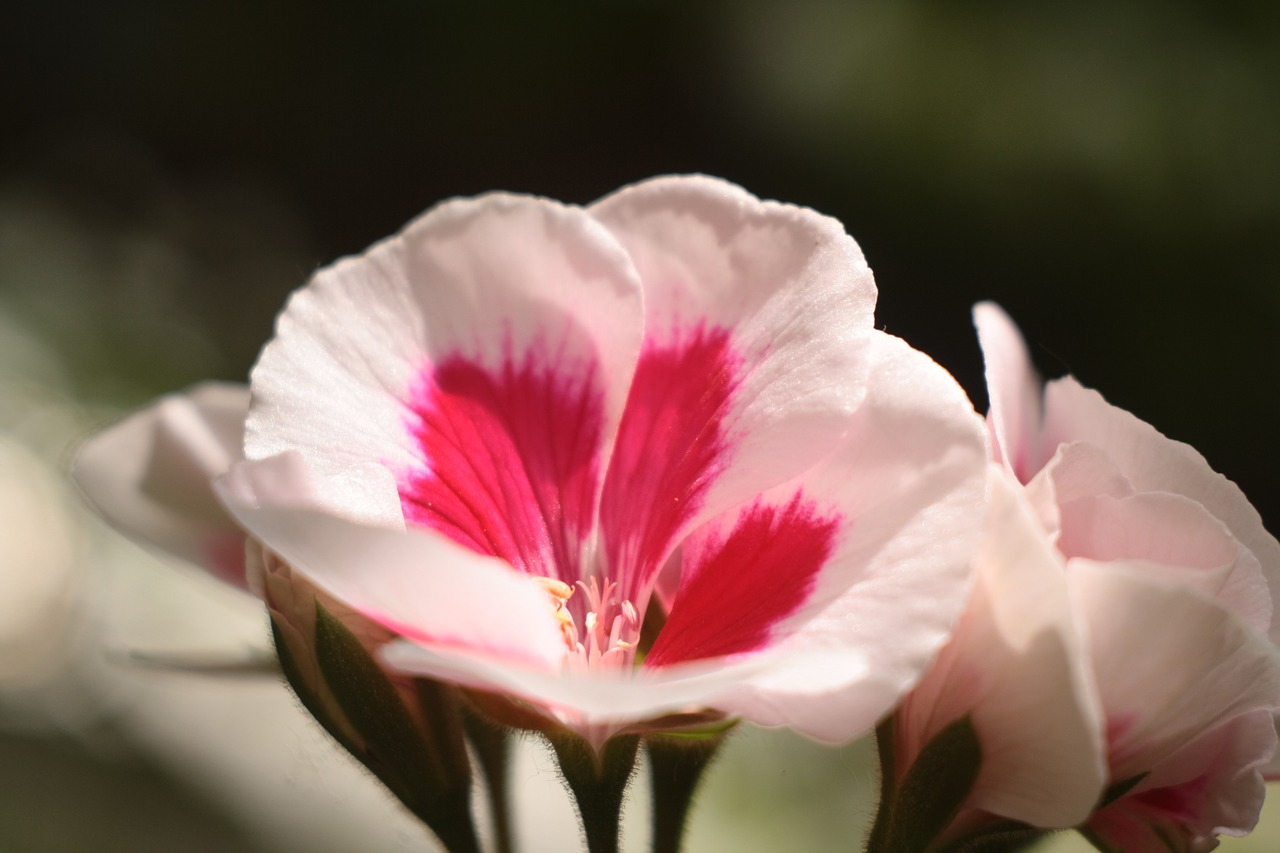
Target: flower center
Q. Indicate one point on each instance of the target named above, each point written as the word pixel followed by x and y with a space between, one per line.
pixel 609 630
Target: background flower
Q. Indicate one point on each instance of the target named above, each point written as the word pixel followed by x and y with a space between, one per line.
pixel 1113 667
pixel 1172 578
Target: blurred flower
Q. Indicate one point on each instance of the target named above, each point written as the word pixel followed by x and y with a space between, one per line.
pixel 1114 661
pixel 632 467
pixel 38 571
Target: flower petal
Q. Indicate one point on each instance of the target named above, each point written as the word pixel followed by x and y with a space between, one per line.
pixel 1173 537
pixel 1018 665
pixel 1076 470
pixel 583 698
pixel 482 356
pixel 1210 787
pixel 742 576
pixel 1152 462
pixel 892 518
pixel 755 315
pixel 1169 663
pixel 150 475
pixel 1013 387
pixel 416 583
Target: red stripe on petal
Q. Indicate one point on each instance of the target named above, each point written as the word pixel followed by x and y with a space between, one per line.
pixel 670 446
pixel 510 461
pixel 735 589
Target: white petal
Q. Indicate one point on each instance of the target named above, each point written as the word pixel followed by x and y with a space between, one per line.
pixel 1222 768
pixel 416 583
pixel 1209 787
pixel 585 699
pixel 150 475
pixel 786 297
pixel 906 486
pixel 1173 537
pixel 1152 462
pixel 1014 390
pixel 1169 663
pixel 1076 470
pixel 502 282
pixel 1019 666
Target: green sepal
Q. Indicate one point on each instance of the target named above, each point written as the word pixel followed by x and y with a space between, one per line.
pixel 598 782
pixel 293 675
pixel 426 766
pixel 1118 789
pixel 1002 836
pixel 1096 842
pixel 701 729
pixel 912 818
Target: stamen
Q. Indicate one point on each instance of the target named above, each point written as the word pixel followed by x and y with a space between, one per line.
pixel 595 646
pixel 560 593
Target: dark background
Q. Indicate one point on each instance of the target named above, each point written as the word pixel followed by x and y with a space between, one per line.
pixel 1110 174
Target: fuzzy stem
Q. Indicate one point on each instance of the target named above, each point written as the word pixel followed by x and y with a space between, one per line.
pixel 676 765
pixel 598 782
pixel 492 747
pixel 888 785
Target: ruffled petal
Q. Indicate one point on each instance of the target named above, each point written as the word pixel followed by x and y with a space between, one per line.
pixel 1018 665
pixel 1169 663
pixel 1076 470
pixel 1212 786
pixel 151 475
pixel 1154 463
pixel 754 356
pixel 482 356
pixel 415 583
pixel 1168 536
pixel 1013 387
pixel 858 569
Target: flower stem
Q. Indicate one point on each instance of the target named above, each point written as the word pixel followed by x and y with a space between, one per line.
pixel 598 782
pixel 492 747
pixel 676 765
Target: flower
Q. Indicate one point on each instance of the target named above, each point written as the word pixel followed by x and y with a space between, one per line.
pixel 619 466
pixel 1115 660
pixel 1017 667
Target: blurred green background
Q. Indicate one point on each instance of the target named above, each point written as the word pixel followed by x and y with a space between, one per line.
pixel 1109 172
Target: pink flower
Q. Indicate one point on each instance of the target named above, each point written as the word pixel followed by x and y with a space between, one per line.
pixel 1017 666
pixel 1175 579
pixel 619 463
pixel 1117 658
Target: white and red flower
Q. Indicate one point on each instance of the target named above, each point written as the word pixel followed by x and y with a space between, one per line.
pixel 1118 658
pixel 617 462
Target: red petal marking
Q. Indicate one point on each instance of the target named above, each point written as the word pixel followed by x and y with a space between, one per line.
pixel 509 461
pixel 1159 818
pixel 1119 725
pixel 1181 803
pixel 670 446
pixel 735 590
